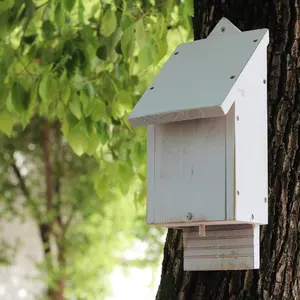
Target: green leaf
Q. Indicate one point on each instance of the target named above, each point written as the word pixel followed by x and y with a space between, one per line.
pixel 89 90
pixel 19 98
pixel 109 23
pixel 145 57
pixel 60 110
pixel 80 11
pixel 102 130
pixel 140 33
pixel 5 5
pixel 127 42
pixel 48 89
pixel 3 94
pixel 137 154
pixel 6 122
pixel 75 108
pixel 101 183
pixel 99 110
pixel 114 39
pixel 93 144
pixel 86 101
pixel 71 120
pixel 48 29
pixel 3 24
pixel 65 93
pixel 69 4
pixel 189 7
pixel 88 109
pixel 162 50
pixel 59 15
pixel 78 141
pixel 102 52
pixel 125 99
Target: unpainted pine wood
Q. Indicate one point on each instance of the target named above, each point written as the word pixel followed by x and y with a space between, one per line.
pixel 211 66
pixel 202 230
pixel 189 172
pixel 197 224
pixel 180 115
pixel 225 248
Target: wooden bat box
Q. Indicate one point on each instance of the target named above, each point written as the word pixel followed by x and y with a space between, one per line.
pixel 206 113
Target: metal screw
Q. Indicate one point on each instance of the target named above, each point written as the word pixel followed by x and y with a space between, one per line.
pixel 152 88
pixel 255 41
pixel 237 192
pixel 265 81
pixel 189 216
pixel 237 118
pixel 232 77
pixel 223 29
pixel 252 217
pixel 265 199
pixel 176 53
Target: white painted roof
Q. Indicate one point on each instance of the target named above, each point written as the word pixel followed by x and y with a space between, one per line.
pixel 196 80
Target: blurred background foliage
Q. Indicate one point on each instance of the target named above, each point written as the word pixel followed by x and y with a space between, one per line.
pixel 70 73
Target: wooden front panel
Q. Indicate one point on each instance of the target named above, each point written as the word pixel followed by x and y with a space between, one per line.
pixel 186 171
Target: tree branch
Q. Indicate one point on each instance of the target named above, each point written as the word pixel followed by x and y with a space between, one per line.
pixel 48 166
pixel 21 180
pixel 69 220
pixel 25 190
pixel 58 172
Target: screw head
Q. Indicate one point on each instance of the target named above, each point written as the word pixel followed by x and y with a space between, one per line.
pixel 152 88
pixel 265 199
pixel 237 192
pixel 223 29
pixel 252 217
pixel 254 41
pixel 237 118
pixel 189 216
pixel 176 53
pixel 265 81
pixel 232 77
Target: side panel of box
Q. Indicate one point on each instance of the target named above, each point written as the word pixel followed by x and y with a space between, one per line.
pixel 186 171
pixel 150 174
pixel 231 247
pixel 230 164
pixel 252 142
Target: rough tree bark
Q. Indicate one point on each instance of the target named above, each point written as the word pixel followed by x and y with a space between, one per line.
pixel 279 274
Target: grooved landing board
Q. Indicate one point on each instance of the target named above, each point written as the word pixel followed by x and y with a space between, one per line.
pixel 231 247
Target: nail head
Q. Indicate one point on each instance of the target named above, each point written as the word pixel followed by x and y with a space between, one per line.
pixel 189 216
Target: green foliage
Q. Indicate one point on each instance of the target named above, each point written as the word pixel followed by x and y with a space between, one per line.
pixel 82 65
pixel 6 122
pixel 108 22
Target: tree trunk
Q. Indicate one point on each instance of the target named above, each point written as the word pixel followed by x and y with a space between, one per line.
pixel 46 228
pixel 279 274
